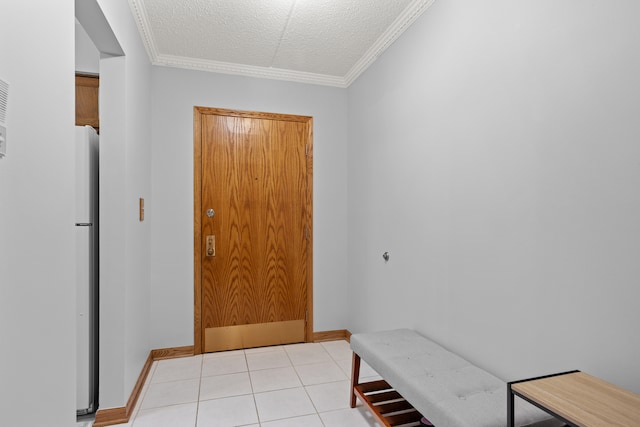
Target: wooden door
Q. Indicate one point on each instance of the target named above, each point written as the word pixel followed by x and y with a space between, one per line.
pixel 253 173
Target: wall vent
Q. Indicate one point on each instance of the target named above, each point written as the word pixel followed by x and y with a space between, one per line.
pixel 4 99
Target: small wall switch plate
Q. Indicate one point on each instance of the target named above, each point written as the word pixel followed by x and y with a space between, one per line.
pixel 141 209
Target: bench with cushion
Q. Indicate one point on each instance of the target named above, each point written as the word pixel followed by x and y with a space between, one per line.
pixel 422 378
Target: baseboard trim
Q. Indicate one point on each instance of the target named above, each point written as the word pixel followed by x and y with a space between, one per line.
pixel 172 353
pixel 113 416
pixel 339 334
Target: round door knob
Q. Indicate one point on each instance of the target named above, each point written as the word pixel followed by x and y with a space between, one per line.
pixel 211 213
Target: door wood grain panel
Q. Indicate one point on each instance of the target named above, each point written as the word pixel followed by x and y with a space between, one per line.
pixel 256 173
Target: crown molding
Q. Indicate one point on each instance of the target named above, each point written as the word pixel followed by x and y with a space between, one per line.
pixel 248 70
pixel 386 39
pixel 144 27
pixel 395 30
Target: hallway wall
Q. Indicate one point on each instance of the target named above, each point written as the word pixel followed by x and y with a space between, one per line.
pixel 125 247
pixel 37 209
pixel 494 151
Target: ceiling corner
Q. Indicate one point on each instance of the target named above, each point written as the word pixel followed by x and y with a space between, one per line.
pixel 144 27
pixel 386 39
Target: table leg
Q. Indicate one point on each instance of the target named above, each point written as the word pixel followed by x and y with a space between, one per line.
pixel 510 401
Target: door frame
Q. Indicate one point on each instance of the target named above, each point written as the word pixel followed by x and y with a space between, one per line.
pixel 198 112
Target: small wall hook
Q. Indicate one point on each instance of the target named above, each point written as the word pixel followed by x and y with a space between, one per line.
pixel 385 256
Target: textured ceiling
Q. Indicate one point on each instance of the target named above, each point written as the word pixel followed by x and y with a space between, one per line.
pixel 326 42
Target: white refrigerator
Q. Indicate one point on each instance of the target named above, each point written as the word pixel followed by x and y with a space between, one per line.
pixel 86 229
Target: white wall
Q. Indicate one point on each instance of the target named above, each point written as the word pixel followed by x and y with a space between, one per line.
pixel 175 93
pixel 87 56
pixel 37 244
pixel 494 151
pixel 125 174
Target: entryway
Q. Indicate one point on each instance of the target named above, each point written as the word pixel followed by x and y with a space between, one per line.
pixel 253 192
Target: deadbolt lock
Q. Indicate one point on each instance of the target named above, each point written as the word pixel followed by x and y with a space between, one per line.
pixel 211 245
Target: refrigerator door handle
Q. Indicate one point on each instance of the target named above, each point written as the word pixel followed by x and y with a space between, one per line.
pixel 84 224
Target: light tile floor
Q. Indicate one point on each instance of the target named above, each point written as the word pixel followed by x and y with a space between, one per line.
pixel 282 386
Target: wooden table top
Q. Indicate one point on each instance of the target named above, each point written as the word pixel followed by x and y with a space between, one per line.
pixel 584 400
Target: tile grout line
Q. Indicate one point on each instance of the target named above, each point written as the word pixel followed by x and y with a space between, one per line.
pixel 307 391
pixel 304 387
pixel 284 347
pixel 336 362
pixel 199 390
pixel 253 394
